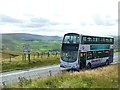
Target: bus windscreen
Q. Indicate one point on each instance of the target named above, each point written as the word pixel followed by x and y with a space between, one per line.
pixel 71 39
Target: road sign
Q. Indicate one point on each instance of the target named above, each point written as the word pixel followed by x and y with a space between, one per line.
pixel 26 48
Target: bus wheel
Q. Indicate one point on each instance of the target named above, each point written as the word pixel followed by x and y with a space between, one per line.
pixel 107 62
pixel 89 66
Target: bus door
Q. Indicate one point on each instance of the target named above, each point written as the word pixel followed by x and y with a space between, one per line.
pixel 111 52
pixel 83 60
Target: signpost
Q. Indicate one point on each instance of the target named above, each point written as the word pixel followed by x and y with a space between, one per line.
pixel 26 50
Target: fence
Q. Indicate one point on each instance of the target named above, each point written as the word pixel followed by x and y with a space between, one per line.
pixel 29 57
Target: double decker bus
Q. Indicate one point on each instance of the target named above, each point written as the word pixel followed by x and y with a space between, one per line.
pixel 83 51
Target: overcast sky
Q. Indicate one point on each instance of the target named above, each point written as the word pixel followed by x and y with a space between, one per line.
pixel 57 17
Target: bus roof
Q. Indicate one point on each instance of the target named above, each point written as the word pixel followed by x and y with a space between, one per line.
pixel 71 33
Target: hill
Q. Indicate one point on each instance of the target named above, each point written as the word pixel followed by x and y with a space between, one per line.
pixel 15 41
pixel 25 36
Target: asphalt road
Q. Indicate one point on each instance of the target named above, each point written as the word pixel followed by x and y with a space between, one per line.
pixel 12 76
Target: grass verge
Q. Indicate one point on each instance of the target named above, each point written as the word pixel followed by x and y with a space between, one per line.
pixel 102 77
pixel 18 65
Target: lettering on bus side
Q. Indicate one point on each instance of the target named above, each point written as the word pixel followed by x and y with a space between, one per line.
pixel 99 47
pixel 96 60
pixel 85 48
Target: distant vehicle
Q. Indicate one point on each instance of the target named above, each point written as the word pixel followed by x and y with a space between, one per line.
pixel 82 51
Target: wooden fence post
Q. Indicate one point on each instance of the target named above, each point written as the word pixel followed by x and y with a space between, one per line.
pixel 34 56
pixel 29 57
pixel 50 73
pixel 37 55
pixel 41 54
pixel 25 56
pixel 48 54
pixel 10 57
pixel 22 57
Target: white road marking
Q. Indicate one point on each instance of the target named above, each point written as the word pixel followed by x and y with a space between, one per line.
pixel 20 72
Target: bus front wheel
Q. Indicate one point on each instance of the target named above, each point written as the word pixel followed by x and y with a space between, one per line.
pixel 89 66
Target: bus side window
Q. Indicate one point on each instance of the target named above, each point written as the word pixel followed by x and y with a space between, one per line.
pixel 100 54
pixel 111 40
pixel 94 40
pixel 98 40
pixel 84 40
pixel 103 53
pixel 97 54
pixel 106 53
pixel 94 54
pixel 89 55
pixel 89 39
pixel 103 40
pixel 107 40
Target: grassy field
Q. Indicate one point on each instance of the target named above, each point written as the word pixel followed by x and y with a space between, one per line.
pixel 102 77
pixel 16 63
pixel 41 45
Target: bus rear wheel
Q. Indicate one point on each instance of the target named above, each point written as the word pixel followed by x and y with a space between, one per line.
pixel 107 62
pixel 88 66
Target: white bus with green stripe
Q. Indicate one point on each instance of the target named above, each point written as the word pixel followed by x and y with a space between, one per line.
pixel 83 51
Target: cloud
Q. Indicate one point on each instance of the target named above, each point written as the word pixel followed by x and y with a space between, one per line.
pixel 40 22
pixel 104 20
pixel 7 19
pixel 83 23
pixel 32 24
